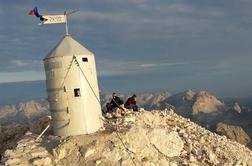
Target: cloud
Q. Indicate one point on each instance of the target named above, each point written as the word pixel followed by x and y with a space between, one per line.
pixel 136 36
pixel 151 65
pixel 113 68
pixel 21 65
pixel 25 63
pixel 21 76
pixel 148 65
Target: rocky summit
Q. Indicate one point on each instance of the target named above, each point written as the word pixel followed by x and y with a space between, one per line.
pixel 129 138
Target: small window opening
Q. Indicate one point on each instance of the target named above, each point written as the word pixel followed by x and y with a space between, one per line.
pixel 84 59
pixel 51 74
pixel 77 92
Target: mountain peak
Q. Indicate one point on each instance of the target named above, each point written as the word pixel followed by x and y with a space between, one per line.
pixel 204 102
pixel 189 94
pixel 143 138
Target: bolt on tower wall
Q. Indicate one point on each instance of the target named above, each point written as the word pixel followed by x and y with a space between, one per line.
pixel 72 87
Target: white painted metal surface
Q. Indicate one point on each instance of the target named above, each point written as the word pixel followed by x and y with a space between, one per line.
pixel 73 103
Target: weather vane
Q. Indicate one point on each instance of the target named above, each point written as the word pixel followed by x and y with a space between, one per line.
pixel 53 18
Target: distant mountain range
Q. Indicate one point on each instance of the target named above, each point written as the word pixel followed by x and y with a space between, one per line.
pixel 23 113
pixel 13 93
pixel 25 102
pixel 16 92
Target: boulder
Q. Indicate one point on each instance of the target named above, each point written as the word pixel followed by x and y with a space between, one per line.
pixel 167 143
pixel 152 138
pixel 232 132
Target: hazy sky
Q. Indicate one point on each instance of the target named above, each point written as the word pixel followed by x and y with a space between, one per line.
pixel 141 44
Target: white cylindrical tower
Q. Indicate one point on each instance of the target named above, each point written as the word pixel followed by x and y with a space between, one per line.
pixel 72 87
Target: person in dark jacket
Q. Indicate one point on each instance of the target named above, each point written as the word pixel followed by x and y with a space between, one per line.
pixel 114 103
pixel 131 103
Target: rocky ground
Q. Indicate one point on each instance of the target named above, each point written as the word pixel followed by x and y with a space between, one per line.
pixel 9 135
pixel 133 138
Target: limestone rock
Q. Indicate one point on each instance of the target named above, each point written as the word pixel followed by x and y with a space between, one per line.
pixel 168 143
pixel 10 135
pixel 233 132
pixel 137 144
pixel 237 108
pixel 89 152
pixel 11 162
pixel 41 161
pixel 158 138
pixel 206 103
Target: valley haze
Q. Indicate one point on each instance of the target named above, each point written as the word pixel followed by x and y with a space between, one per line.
pixel 16 92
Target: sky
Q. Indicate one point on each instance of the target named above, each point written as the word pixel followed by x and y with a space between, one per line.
pixel 139 44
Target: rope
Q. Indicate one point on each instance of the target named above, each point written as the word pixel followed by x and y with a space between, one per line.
pixel 98 100
pixel 120 138
pixel 117 133
pixel 77 63
pixel 67 73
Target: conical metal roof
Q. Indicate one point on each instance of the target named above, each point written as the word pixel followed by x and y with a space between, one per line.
pixel 68 47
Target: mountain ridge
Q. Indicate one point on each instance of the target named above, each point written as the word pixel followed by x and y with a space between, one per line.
pixel 201 107
pixel 157 137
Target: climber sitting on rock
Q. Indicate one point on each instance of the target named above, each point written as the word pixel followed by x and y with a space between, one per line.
pixel 114 103
pixel 131 103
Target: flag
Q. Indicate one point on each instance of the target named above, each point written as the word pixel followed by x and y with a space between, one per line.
pixel 31 13
pixel 48 19
pixel 36 13
pixel 54 19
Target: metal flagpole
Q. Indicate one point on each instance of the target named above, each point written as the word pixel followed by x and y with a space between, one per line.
pixel 65 13
pixel 57 19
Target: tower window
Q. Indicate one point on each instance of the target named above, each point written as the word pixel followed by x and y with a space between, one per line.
pixel 84 59
pixel 77 92
pixel 51 74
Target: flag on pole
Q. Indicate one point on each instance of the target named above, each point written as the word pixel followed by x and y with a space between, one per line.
pixel 54 19
pixel 36 13
pixel 48 19
pixel 31 13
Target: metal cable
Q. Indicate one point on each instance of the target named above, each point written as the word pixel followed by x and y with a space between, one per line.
pixel 77 63
pixel 67 73
pixel 117 133
pixel 120 138
pixel 97 98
